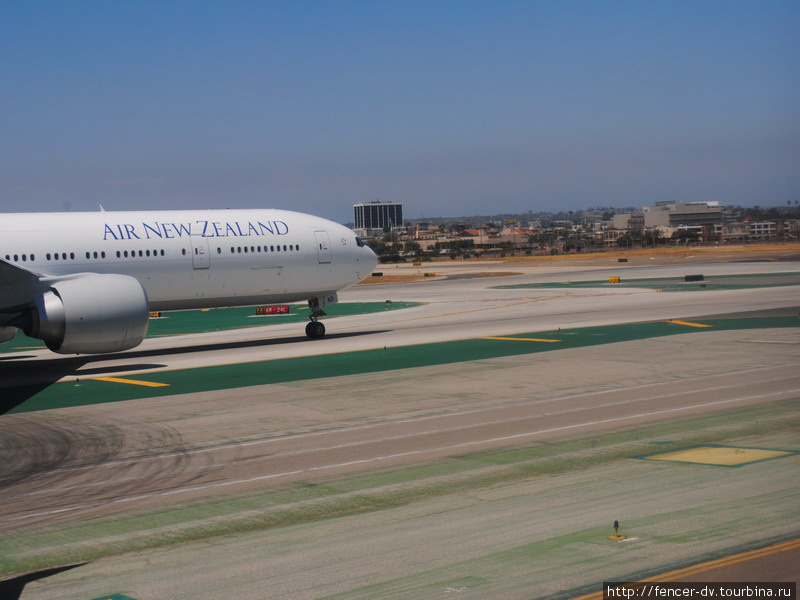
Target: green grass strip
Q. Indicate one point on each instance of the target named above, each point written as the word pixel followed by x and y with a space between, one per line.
pixel 187 381
pixel 222 319
pixel 676 284
pixel 382 489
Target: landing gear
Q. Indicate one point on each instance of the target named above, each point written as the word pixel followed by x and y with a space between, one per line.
pixel 315 329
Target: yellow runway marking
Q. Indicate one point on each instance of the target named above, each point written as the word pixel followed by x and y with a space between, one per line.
pixel 131 381
pixel 710 565
pixel 721 456
pixel 516 339
pixel 690 324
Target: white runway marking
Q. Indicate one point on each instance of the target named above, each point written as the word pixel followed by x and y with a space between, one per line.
pixel 157 457
pixel 376 459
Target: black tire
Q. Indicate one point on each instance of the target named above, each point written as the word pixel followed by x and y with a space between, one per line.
pixel 315 330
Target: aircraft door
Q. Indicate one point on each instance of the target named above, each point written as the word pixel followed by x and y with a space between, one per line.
pixel 323 247
pixel 201 257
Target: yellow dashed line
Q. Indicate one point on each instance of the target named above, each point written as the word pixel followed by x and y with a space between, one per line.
pixel 690 324
pixel 131 381
pixel 517 339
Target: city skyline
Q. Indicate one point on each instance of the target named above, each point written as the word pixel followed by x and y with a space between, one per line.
pixel 448 107
pixel 786 211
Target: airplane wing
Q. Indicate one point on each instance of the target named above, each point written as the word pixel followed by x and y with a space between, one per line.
pixel 17 286
pixel 11 274
pixel 79 313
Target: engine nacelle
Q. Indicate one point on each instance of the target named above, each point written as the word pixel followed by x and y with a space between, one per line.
pixel 91 314
pixel 7 334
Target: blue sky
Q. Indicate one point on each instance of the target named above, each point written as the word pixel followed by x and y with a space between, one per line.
pixel 453 108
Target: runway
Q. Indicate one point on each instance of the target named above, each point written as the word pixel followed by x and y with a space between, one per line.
pixel 245 460
pixel 449 310
pixel 109 486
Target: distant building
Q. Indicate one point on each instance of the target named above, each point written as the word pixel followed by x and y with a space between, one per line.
pixel 734 231
pixel 675 214
pixel 763 230
pixel 612 235
pixel 620 220
pixel 378 215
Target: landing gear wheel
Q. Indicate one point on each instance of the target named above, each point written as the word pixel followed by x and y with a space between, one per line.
pixel 315 330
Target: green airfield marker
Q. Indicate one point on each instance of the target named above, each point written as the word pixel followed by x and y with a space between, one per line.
pixel 181 322
pixel 676 284
pixel 193 380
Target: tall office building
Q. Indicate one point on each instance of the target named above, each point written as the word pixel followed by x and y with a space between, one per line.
pixel 378 215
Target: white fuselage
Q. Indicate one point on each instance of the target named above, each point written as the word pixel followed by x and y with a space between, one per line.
pixel 190 259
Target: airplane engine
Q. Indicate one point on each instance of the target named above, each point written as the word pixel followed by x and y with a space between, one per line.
pixel 7 334
pixel 90 314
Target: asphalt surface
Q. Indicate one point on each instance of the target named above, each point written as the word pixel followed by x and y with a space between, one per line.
pixel 165 473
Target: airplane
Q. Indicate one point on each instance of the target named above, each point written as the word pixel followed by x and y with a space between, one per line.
pixel 86 282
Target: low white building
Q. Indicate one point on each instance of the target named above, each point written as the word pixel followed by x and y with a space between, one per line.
pixel 764 229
